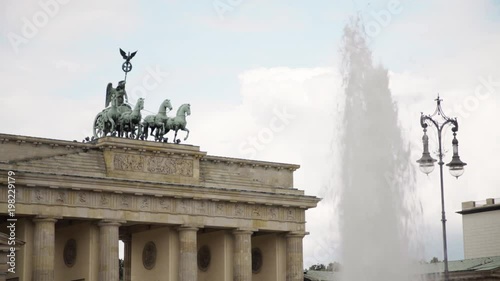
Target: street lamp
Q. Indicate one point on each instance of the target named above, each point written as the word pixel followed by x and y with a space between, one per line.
pixel 426 163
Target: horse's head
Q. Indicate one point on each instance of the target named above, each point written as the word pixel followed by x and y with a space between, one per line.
pixel 140 103
pixel 167 104
pixel 184 109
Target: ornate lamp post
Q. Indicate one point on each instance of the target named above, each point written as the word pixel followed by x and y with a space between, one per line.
pixel 426 163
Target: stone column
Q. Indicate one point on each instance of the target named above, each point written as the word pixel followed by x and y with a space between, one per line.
pixel 108 250
pixel 188 250
pixel 242 263
pixel 43 249
pixel 127 256
pixel 294 259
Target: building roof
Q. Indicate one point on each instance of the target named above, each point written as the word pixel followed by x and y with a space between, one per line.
pixel 471 207
pixel 315 275
pixel 477 265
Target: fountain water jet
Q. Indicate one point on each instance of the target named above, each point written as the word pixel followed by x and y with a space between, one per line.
pixel 376 204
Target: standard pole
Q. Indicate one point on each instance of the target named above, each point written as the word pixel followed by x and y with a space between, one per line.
pixel 443 215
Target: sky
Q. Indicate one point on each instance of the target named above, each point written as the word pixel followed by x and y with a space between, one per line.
pixel 243 64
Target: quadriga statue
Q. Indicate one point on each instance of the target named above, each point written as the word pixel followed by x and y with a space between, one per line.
pixel 107 121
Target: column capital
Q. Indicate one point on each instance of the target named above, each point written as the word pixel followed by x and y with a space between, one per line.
pixel 46 219
pixel 110 223
pixel 297 234
pixel 187 227
pixel 241 231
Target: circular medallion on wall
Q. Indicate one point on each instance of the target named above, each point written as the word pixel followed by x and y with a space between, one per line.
pixel 69 253
pixel 256 260
pixel 204 258
pixel 149 255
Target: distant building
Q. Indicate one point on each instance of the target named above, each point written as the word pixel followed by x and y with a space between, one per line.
pixel 477 269
pixel 481 228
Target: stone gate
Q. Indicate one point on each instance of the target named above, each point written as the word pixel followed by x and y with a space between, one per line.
pixel 181 214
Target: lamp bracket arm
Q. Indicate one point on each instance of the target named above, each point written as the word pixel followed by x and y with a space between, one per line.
pixel 424 124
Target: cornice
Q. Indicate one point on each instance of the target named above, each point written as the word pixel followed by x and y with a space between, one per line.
pixel 139 187
pixel 131 145
pixel 245 162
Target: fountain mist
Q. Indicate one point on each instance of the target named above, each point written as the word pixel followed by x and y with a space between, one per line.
pixel 377 177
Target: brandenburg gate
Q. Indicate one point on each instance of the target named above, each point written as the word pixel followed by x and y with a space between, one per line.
pixel 182 214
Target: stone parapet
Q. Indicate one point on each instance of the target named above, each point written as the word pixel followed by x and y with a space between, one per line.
pixel 129 159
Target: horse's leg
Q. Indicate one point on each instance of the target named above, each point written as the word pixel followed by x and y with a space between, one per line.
pixel 153 127
pixel 157 133
pixel 166 132
pixel 119 129
pixel 112 130
pixel 175 136
pixel 138 131
pixel 162 131
pixel 187 130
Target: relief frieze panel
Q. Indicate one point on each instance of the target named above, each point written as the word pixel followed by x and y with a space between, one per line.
pixel 165 204
pixel 201 207
pixel 125 201
pixel 273 213
pixel 156 204
pixel 129 162
pixel 239 210
pixel 145 203
pixel 82 198
pixel 220 208
pixel 61 197
pixel 153 164
pixel 104 200
pixel 39 195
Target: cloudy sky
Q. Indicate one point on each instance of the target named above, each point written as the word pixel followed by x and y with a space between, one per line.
pixel 263 81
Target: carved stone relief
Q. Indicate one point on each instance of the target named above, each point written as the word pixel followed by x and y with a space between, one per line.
pixel 185 206
pixel 239 210
pixel 38 195
pixel 201 207
pixel 148 203
pixel 165 204
pixel 273 213
pixel 124 201
pixel 153 164
pixel 82 197
pixel 220 209
pixel 128 162
pixel 257 211
pixel 61 197
pixel 104 200
pixel 144 203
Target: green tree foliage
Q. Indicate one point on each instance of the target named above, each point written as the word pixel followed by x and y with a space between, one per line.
pixel 318 267
pixel 434 260
pixel 333 266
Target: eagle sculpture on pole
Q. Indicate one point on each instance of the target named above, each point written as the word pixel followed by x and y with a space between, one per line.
pixel 127 66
